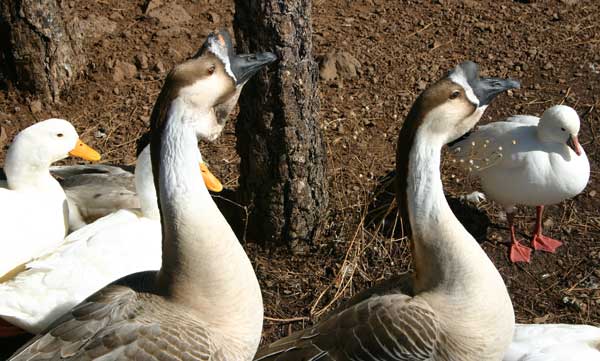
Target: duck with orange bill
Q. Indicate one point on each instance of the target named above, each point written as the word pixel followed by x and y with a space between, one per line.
pixel 33 207
pixel 121 243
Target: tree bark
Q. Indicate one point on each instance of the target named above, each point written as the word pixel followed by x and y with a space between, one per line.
pixel 279 138
pixel 37 53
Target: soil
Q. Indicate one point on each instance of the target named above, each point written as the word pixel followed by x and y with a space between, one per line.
pixel 552 47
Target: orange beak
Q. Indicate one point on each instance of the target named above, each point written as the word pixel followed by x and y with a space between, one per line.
pixel 84 151
pixel 212 183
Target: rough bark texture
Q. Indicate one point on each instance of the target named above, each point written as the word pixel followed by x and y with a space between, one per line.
pixel 279 138
pixel 38 55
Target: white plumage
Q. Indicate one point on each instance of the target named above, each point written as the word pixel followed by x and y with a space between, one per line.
pixel 530 161
pixel 554 342
pixel 112 247
pixel 33 208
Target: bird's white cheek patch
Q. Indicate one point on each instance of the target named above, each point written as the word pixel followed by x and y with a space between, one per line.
pixel 221 53
pixel 459 78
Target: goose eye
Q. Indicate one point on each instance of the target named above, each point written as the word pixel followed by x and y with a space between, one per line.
pixel 211 70
pixel 60 135
pixel 455 94
pixel 563 129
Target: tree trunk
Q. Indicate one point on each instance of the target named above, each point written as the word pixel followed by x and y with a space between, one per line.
pixel 279 139
pixel 37 53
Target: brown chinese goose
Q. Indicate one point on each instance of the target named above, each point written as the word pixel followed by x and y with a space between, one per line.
pixel 205 302
pixel 455 305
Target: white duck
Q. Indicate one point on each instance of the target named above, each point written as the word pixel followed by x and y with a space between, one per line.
pixel 112 247
pixel 455 305
pixel 554 342
pixel 33 208
pixel 205 301
pixel 531 161
pixel 97 190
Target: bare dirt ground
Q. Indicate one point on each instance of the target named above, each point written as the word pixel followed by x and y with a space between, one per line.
pixel 552 47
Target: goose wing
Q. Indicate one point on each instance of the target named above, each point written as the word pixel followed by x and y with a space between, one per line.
pixel 69 171
pixel 499 144
pixel 118 323
pixel 397 284
pixel 524 120
pixel 96 201
pixel 94 191
pixel 389 327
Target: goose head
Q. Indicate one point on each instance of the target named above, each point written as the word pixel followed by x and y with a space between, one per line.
pixel 455 103
pixel 208 80
pixel 199 90
pixel 244 65
pixel 560 124
pixel 44 143
pixel 223 110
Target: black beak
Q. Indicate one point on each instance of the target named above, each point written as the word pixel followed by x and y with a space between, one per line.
pixel 246 65
pixel 573 143
pixel 486 89
pixel 243 66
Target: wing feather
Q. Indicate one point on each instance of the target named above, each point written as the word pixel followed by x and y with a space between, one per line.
pixel 387 327
pixel 497 144
pixel 118 323
pixel 94 191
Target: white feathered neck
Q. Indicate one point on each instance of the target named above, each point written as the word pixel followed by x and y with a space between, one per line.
pixel 144 185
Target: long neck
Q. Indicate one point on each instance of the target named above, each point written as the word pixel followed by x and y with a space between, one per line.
pixel 436 233
pixel 204 266
pixel 446 256
pixel 452 273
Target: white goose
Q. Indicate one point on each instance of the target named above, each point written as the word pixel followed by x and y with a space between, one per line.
pixel 97 190
pixel 554 342
pixel 531 161
pixel 205 301
pixel 112 247
pixel 33 208
pixel 455 305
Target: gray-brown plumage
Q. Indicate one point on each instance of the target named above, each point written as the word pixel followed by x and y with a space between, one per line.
pixel 205 302
pixel 455 305
pixel 94 191
pixel 122 322
pixel 389 327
